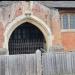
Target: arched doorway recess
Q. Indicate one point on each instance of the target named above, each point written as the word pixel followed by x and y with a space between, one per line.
pixel 33 20
pixel 26 39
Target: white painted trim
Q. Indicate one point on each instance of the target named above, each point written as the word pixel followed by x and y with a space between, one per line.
pixel 35 21
pixel 67 30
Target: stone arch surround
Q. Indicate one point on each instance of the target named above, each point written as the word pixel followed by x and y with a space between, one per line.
pixel 31 19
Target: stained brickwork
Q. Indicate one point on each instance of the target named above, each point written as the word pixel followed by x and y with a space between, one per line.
pixel 49 16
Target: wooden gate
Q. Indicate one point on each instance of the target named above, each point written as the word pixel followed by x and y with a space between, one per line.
pixel 23 64
pixel 53 63
pixel 58 63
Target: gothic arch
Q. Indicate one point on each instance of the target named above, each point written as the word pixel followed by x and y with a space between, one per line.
pixel 31 19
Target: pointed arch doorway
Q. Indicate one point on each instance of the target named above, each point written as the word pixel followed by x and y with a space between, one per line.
pixel 35 21
pixel 26 39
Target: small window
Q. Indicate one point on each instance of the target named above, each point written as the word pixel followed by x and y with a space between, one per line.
pixel 65 22
pixel 72 21
pixel 68 21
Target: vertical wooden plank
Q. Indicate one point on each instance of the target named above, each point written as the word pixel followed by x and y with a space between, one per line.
pixel 31 64
pixel 23 65
pixel 35 65
pixel 69 69
pixel 58 63
pixel 6 65
pixel 43 63
pixel 2 65
pixel 38 57
pixel 27 64
pixel 46 65
pixel 12 65
pixel 49 64
pixel 54 71
pixel 18 64
pixel 73 62
pixel 54 64
pixel 64 61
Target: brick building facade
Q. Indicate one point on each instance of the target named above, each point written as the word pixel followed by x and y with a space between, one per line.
pixel 47 18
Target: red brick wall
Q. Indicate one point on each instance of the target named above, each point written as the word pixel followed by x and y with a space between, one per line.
pixel 18 11
pixel 68 40
pixel 55 24
pixel 41 12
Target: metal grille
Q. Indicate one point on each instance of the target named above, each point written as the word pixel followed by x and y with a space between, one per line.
pixel 26 39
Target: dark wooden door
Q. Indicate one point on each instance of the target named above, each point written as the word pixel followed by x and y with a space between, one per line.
pixel 26 39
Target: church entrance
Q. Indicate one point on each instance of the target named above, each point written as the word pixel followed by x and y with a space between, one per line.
pixel 26 39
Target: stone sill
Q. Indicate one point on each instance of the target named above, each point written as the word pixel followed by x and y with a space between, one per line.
pixel 68 30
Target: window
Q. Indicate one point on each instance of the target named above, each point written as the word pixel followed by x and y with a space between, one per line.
pixel 65 21
pixel 68 21
pixel 72 21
